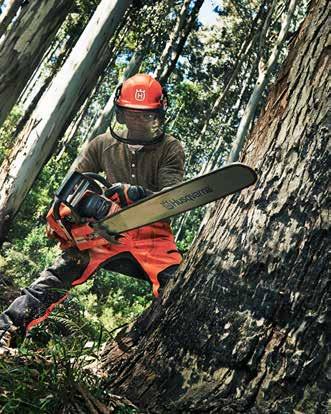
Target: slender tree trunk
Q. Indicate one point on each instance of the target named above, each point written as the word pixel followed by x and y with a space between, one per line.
pixel 180 23
pixel 73 128
pixel 25 45
pixel 245 50
pixel 264 73
pixel 55 109
pixel 243 326
pixel 103 121
pixel 32 88
pixel 8 14
pixel 58 53
pixel 35 90
pixel 177 47
pixel 217 157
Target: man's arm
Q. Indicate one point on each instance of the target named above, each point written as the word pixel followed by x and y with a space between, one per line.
pixel 171 169
pixel 89 158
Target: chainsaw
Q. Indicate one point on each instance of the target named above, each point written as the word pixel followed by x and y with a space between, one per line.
pixel 84 215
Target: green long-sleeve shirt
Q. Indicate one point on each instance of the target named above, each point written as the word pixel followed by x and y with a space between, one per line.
pixel 153 167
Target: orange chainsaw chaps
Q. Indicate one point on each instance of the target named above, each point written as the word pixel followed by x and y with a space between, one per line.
pixel 153 246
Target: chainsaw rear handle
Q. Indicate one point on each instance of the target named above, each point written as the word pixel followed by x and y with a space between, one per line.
pixel 73 189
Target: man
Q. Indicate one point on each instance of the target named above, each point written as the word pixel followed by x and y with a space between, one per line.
pixel 138 154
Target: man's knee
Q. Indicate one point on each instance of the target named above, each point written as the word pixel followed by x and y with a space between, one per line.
pixel 68 267
pixel 47 290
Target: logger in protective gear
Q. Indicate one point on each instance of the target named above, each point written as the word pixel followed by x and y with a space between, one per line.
pixel 139 111
pixel 147 253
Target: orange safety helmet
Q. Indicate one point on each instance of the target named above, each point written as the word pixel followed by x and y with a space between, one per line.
pixel 140 104
pixel 141 91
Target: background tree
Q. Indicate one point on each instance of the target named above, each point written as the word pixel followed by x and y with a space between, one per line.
pixel 61 47
pixel 173 49
pixel 265 69
pixel 53 112
pixel 99 308
pixel 8 14
pixel 243 327
pixel 24 46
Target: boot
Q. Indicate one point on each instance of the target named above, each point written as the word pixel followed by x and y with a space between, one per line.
pixel 5 339
pixel 7 331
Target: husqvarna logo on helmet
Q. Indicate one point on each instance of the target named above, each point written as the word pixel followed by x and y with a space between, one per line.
pixel 140 94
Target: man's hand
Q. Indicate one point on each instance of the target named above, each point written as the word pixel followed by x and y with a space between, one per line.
pixel 94 205
pixel 126 194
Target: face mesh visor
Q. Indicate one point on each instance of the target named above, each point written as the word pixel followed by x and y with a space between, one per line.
pixel 137 127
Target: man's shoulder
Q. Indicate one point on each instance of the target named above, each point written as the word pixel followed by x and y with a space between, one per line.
pixel 170 140
pixel 102 141
pixel 172 144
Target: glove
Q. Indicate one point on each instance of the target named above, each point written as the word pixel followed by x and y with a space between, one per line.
pixel 126 194
pixel 96 206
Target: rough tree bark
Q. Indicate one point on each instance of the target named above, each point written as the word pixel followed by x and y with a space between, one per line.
pixel 56 108
pixel 242 328
pixel 25 45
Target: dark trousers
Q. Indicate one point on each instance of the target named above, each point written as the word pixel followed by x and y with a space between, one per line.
pixel 37 300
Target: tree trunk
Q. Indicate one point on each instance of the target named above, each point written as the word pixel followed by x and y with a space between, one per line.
pixel 265 70
pixel 55 109
pixel 25 45
pixel 178 46
pixel 72 130
pixel 242 328
pixel 8 14
pixel 173 38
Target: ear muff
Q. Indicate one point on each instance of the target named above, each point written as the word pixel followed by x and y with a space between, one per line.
pixel 165 103
pixel 119 115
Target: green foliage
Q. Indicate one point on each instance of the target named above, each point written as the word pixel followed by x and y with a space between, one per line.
pixel 118 299
pixel 7 132
pixel 24 259
pixel 46 381
pixel 189 105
